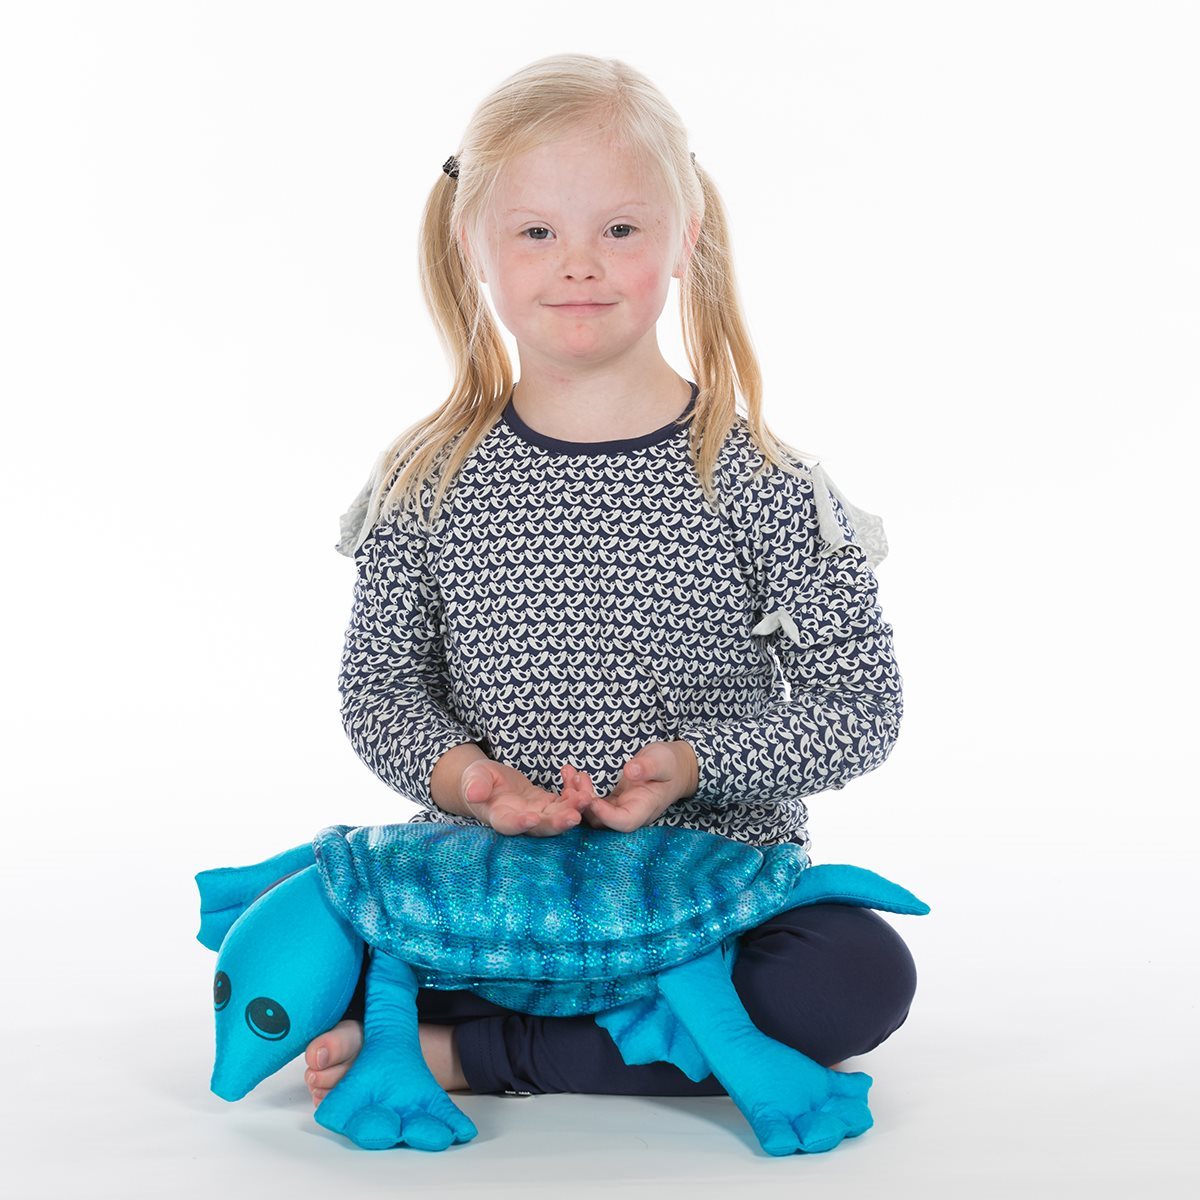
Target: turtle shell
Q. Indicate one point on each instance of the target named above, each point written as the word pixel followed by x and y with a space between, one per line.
pixel 578 922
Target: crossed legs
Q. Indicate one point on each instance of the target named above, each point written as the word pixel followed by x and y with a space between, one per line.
pixel 830 980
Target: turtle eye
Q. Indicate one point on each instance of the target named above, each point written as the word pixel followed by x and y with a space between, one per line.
pixel 221 990
pixel 267 1018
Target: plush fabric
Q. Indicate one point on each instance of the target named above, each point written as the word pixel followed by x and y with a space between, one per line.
pixel 577 930
pixel 639 929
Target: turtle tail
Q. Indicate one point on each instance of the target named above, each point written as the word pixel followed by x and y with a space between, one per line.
pixel 840 883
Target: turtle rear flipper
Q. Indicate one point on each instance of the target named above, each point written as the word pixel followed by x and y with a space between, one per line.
pixel 647 1029
pixel 791 1102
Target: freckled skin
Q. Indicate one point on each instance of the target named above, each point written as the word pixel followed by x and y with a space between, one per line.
pixel 575 238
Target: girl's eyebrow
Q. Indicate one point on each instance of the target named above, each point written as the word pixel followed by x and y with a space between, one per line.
pixel 627 204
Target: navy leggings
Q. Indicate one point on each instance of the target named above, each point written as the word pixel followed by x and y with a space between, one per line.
pixel 829 980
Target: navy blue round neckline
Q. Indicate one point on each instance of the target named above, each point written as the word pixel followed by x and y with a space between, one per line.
pixel 617 446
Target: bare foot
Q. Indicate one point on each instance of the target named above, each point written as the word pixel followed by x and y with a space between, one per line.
pixel 331 1055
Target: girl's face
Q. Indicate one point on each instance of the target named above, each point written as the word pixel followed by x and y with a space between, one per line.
pixel 572 223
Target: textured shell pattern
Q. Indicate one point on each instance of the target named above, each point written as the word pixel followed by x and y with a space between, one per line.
pixel 577 923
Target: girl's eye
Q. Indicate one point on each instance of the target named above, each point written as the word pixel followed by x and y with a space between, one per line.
pixel 543 229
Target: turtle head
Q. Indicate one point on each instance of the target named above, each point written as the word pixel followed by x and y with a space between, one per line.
pixel 286 971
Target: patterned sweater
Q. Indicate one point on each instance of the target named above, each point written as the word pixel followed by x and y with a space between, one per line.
pixel 577 600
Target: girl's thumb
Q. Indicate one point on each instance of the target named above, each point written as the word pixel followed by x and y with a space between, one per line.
pixel 470 776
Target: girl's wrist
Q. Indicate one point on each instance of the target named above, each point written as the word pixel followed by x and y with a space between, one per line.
pixel 689 767
pixel 445 782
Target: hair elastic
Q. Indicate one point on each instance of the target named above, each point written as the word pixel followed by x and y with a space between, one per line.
pixel 450 166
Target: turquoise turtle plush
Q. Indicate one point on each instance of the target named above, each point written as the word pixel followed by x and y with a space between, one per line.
pixel 639 929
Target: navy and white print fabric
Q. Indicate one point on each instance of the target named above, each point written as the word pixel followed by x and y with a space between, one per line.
pixel 575 601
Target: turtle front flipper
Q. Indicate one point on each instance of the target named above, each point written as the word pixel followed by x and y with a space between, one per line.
pixel 389 1096
pixel 791 1102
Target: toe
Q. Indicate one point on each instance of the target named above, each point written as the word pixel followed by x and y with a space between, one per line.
pixel 853 1085
pixel 339 1045
pixel 425 1132
pixel 375 1127
pixel 775 1134
pixel 327 1079
pixel 819 1131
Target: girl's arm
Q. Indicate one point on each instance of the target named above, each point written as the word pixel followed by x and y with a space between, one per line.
pixel 396 706
pixel 817 606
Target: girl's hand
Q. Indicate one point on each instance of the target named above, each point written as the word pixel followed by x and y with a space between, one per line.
pixel 499 796
pixel 657 775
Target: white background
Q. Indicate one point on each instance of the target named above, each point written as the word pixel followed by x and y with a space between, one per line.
pixel 967 246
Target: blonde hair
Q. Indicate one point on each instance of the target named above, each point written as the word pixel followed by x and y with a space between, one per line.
pixel 550 99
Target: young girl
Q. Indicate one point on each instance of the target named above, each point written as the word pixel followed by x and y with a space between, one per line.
pixel 605 565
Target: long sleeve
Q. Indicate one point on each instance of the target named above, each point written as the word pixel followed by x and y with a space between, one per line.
pixel 816 605
pixel 393 681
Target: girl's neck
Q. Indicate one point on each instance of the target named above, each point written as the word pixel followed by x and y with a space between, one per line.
pixel 578 412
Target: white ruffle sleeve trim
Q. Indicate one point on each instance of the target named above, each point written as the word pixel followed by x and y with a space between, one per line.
pixel 359 519
pixel 868 528
pixel 779 619
pixel 868 532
